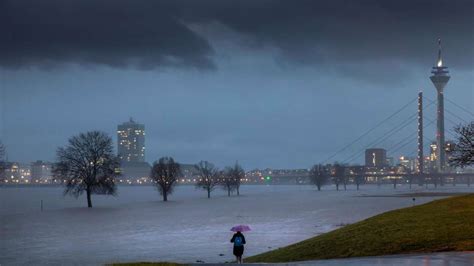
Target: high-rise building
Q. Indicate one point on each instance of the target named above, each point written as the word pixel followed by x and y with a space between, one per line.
pixel 449 147
pixel 434 152
pixel 375 157
pixel 131 151
pixel 131 141
pixel 440 78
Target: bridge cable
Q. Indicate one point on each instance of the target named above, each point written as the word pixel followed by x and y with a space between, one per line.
pixel 395 147
pixel 379 140
pixel 370 130
pixel 460 107
pixel 448 111
pixel 385 136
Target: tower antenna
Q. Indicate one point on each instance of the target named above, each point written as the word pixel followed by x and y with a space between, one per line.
pixel 440 61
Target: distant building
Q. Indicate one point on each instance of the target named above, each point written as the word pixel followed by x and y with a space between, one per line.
pixel 10 172
pixel 131 141
pixel 41 172
pixel 408 163
pixel 131 150
pixel 277 176
pixel 428 165
pixel 449 147
pixel 134 170
pixel 189 174
pixel 390 161
pixel 433 151
pixel 375 157
pixel 25 173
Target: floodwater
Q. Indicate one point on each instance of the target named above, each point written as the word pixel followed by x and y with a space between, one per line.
pixel 136 226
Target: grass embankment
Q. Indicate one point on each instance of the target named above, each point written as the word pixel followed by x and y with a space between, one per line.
pixel 442 225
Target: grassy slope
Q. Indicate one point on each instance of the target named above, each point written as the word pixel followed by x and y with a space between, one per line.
pixel 442 225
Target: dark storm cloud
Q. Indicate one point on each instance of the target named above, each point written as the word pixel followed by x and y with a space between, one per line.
pixel 352 31
pixel 114 33
pixel 155 33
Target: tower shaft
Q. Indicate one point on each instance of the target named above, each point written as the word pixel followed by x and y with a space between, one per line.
pixel 441 162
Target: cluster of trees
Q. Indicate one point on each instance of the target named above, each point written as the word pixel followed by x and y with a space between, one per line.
pixel 210 177
pixel 321 175
pixel 89 165
pixel 166 171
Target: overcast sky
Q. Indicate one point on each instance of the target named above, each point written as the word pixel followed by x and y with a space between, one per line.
pixel 280 84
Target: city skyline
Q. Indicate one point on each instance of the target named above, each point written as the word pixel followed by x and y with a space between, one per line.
pixel 267 98
pixel 367 157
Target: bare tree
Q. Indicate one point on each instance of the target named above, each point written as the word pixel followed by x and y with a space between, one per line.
pixel 359 176
pixel 463 154
pixel 227 180
pixel 236 173
pixel 338 175
pixel 2 162
pixel 88 164
pixel 319 175
pixel 2 152
pixel 359 179
pixel 208 176
pixel 394 181
pixel 165 173
pixel 345 180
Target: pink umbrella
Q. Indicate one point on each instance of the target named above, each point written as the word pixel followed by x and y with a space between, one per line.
pixel 241 228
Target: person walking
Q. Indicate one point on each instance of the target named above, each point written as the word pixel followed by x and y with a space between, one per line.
pixel 239 241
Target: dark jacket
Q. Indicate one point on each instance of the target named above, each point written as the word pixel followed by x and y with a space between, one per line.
pixel 236 235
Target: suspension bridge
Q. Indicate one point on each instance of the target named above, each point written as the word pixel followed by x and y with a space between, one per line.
pixel 403 134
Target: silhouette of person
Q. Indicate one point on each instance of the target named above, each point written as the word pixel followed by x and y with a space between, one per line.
pixel 239 241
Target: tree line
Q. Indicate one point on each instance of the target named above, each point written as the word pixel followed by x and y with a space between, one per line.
pixel 321 175
pixel 88 164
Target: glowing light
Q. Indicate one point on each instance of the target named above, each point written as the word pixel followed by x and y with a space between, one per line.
pixel 440 63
